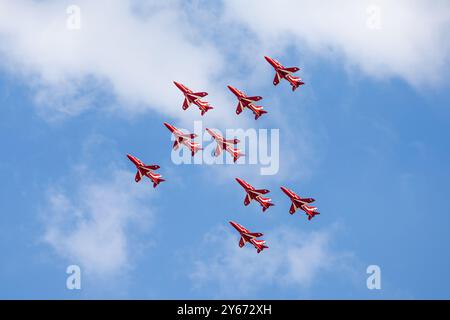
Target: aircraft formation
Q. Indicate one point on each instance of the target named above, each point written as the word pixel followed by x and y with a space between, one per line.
pixel 186 140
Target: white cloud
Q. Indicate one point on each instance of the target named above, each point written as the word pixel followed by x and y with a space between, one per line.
pixel 90 226
pixel 294 260
pixel 412 41
pixel 135 50
pixel 136 53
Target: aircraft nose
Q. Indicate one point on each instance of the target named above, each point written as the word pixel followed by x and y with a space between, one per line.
pixel 233 224
pixel 271 61
pixel 177 84
pixel 129 156
pixel 168 126
pixel 284 190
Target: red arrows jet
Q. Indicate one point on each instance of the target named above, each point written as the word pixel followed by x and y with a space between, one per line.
pixel 300 203
pixel 227 145
pixel 144 170
pixel 247 102
pixel 247 236
pixel 255 194
pixel 194 97
pixel 182 138
pixel 282 72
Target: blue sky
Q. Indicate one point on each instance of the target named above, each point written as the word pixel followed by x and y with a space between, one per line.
pixel 367 136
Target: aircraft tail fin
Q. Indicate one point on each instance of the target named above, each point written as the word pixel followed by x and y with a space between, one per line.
pixel 237 154
pixel 259 113
pixel 200 94
pixel 189 135
pixel 314 213
pixel 261 245
pixel 297 83
pixel 233 141
pixel 267 204
pixel 157 181
pixel 195 148
pixel 206 110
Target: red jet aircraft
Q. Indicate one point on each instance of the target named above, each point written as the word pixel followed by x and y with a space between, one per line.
pixel 300 203
pixel 282 72
pixel 247 236
pixel 194 97
pixel 227 145
pixel 183 138
pixel 144 170
pixel 255 194
pixel 247 102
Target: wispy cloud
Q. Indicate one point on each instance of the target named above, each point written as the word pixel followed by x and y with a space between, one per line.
pixel 133 50
pixel 382 38
pixel 294 260
pixel 91 225
pixel 130 54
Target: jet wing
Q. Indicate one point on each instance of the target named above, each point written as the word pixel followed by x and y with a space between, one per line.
pixel 138 176
pixel 189 135
pixel 239 108
pixel 176 145
pixel 218 151
pixel 292 69
pixel 292 209
pixel 256 98
pixel 255 234
pixel 152 167
pixel 276 80
pixel 261 191
pixel 247 200
pixel 185 104
pixel 241 242
pixel 307 200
